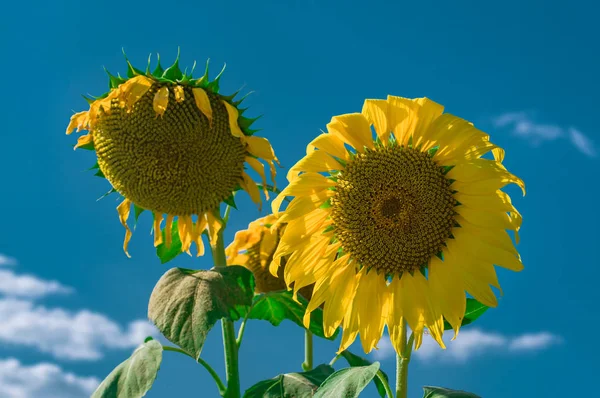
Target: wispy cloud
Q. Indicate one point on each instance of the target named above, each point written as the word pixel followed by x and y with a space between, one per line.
pixel 523 125
pixel 472 342
pixel 42 380
pixel 81 335
pixel 7 261
pixel 29 286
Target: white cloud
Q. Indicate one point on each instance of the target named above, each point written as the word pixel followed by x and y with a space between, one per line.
pixel 534 341
pixel 469 343
pixel 7 261
pixel 29 286
pixel 42 380
pixel 81 335
pixel 524 126
pixel 581 142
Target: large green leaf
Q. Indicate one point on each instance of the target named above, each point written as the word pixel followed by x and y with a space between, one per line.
pixel 355 360
pixel 348 382
pixel 296 385
pixel 278 306
pixel 440 392
pixel 185 304
pixel 473 311
pixel 165 253
pixel 135 376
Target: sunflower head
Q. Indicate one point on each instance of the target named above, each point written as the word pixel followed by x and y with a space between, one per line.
pixel 172 144
pixel 254 247
pixel 397 224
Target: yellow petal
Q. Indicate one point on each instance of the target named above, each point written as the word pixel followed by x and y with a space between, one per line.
pixel 161 100
pixel 352 128
pixel 485 251
pixel 132 90
pixel 179 93
pixel 168 230
pixel 260 169
pixel 302 205
pixel 376 112
pixel 330 144
pixel 214 226
pixel 250 186
pixel 396 316
pixel 123 209
pixel 267 246
pixel 199 227
pixel 84 140
pixel 158 217
pixel 78 121
pixel 184 227
pixel 371 302
pixel 495 236
pixel 447 289
pixel 317 161
pixel 411 118
pixel 203 103
pixel 481 176
pixel 305 185
pixel 307 226
pixel 491 219
pixel 233 120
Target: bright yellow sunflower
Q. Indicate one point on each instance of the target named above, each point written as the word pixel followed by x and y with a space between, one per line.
pixel 173 145
pixel 399 227
pixel 254 247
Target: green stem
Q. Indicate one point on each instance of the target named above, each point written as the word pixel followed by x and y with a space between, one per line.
pixel 229 342
pixel 402 361
pixel 202 362
pixel 386 385
pixel 308 351
pixel 335 359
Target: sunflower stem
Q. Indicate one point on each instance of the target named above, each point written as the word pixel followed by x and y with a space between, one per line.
pixel 230 346
pixel 402 361
pixel 308 351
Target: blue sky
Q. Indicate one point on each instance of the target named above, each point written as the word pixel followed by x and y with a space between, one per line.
pixel 526 72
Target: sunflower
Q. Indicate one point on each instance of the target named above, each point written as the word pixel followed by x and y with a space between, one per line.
pixel 254 247
pixel 398 227
pixel 173 145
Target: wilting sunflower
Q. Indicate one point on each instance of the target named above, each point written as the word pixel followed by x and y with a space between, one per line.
pixel 254 247
pixel 173 145
pixel 399 227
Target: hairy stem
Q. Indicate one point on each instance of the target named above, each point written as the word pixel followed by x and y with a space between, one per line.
pixel 202 362
pixel 308 351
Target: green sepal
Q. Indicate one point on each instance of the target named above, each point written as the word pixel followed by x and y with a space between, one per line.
pixel 88 147
pixel 355 360
pixel 473 311
pixel 158 71
pixel 214 85
pixel 238 102
pixel 173 73
pixel 137 210
pixel 164 253
pixel 112 190
pixel 204 80
pixel 99 173
pixel 246 122
pixel 131 71
pixel 230 201
pixel 90 100
pixel 114 81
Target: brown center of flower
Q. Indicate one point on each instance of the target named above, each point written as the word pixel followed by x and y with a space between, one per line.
pixel 393 209
pixel 177 163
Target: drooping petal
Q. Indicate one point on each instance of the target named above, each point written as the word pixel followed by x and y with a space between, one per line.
pixel 179 93
pixel 132 90
pixel 250 186
pixel 447 289
pixel 372 304
pixel 233 113
pixel 123 209
pixel 78 121
pixel 161 101
pixel 203 103
pixel 158 239
pixel 214 227
pixel 84 140
pixel 260 169
pixel 168 230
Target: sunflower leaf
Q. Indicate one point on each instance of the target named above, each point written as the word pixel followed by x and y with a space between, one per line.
pixel 355 360
pixel 164 253
pixel 276 307
pixel 298 385
pixel 133 377
pixel 348 382
pixel 230 201
pixel 440 392
pixel 473 311
pixel 185 304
